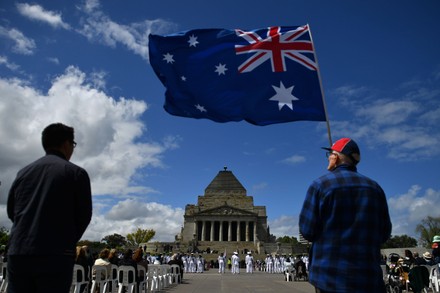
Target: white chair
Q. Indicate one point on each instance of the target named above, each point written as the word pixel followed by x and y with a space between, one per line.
pixel 175 273
pixel 127 278
pixel 289 273
pixel 100 280
pixel 384 272
pixel 434 278
pixel 113 279
pixel 78 279
pixel 154 284
pixel 142 279
pixel 167 276
pixel 4 280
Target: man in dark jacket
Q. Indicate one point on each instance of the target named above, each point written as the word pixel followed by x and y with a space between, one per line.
pixel 50 205
pixel 345 215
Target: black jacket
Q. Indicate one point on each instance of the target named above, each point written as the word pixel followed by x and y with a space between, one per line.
pixel 50 205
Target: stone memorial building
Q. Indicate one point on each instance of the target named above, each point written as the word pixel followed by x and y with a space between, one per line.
pixel 225 217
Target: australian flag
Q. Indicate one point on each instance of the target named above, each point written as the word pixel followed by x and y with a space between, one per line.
pixel 263 76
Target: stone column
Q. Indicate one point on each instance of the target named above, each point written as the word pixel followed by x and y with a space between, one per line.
pixel 238 231
pixel 229 231
pixel 195 230
pixel 220 232
pixel 247 230
pixel 211 237
pixel 255 231
pixel 203 230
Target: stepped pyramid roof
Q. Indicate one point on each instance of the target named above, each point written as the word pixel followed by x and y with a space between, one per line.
pixel 225 182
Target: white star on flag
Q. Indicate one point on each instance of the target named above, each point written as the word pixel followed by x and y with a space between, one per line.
pixel 168 58
pixel 221 69
pixel 193 41
pixel 284 96
pixel 200 108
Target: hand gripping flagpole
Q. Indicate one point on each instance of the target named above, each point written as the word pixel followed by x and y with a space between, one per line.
pixel 322 89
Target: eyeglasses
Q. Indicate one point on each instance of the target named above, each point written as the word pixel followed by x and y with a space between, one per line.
pixel 328 154
pixel 74 144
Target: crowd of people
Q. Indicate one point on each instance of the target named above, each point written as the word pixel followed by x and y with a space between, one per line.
pixel 108 257
pixel 401 269
pixel 277 263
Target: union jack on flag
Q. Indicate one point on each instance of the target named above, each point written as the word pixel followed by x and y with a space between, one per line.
pixel 276 47
pixel 263 76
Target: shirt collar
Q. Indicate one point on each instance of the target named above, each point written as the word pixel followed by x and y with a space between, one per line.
pixel 346 167
pixel 56 153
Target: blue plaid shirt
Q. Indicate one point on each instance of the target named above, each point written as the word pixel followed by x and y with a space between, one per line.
pixel 345 215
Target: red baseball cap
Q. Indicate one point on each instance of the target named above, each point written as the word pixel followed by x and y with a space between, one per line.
pixel 348 147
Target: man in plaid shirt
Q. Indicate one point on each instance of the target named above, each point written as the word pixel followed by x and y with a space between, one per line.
pixel 345 215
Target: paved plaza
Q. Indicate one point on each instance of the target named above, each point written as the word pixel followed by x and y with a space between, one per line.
pixel 211 281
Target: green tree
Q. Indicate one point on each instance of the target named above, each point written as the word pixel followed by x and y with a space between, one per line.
pixel 4 236
pixel 115 240
pixel 287 239
pixel 140 236
pixel 94 246
pixel 427 229
pixel 401 241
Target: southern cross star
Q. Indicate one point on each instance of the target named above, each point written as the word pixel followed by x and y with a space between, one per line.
pixel 193 41
pixel 200 108
pixel 284 96
pixel 221 69
pixel 168 58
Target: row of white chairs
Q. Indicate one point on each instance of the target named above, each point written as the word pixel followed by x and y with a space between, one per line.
pixel 158 277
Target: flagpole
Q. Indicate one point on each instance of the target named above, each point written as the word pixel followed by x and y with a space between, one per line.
pixel 322 89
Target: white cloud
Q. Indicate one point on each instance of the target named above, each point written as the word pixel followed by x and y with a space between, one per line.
pixel 126 216
pixel 91 5
pixel 36 12
pixel 385 112
pixel 405 125
pixel 22 44
pixel 259 186
pixel 4 61
pixel 98 27
pixel 54 60
pixel 409 209
pixel 109 135
pixel 295 159
pixel 284 225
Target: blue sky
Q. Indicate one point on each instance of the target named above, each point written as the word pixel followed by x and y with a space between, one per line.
pixel 85 63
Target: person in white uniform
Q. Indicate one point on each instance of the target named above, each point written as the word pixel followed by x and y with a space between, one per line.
pixel 200 264
pixel 249 260
pixel 235 263
pixel 221 263
pixel 269 264
pixel 192 263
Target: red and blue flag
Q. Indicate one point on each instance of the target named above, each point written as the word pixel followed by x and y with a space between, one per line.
pixel 263 76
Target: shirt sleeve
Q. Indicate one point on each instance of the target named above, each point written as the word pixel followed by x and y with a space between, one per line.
pixel 11 203
pixel 83 203
pixel 387 226
pixel 309 216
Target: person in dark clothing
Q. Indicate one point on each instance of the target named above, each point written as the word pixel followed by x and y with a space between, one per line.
pixel 49 203
pixel 82 259
pixel 113 257
pixel 436 249
pixel 345 215
pixel 177 260
pixel 128 260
